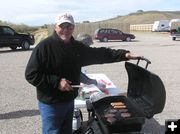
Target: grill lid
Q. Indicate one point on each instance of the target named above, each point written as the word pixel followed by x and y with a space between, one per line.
pixel 145 90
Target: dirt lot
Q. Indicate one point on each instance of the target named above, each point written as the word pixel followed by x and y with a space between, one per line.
pixel 19 113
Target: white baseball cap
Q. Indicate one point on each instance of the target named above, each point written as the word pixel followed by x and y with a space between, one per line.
pixel 64 17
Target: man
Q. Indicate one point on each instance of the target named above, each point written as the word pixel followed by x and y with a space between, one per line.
pixel 55 65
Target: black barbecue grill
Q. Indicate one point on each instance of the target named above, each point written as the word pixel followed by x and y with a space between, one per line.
pixel 145 97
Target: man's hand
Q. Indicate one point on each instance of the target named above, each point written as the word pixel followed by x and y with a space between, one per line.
pixel 131 56
pixel 64 85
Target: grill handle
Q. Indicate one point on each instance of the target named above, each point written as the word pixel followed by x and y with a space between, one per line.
pixel 145 59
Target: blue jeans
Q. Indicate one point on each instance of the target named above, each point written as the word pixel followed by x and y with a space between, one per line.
pixel 57 118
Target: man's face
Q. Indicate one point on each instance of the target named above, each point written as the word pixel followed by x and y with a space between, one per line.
pixel 64 31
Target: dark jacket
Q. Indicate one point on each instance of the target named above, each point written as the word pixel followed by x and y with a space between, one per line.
pixel 52 60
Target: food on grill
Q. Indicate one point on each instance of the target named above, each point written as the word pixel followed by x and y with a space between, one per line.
pixel 122 110
pixel 111 120
pixel 112 111
pixel 125 115
pixel 120 107
pixel 109 115
pixel 117 104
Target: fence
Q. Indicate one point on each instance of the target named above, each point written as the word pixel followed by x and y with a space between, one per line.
pixel 141 27
pixel 90 28
pixel 148 27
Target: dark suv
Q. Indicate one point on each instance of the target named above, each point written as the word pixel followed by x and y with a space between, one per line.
pixel 10 38
pixel 105 34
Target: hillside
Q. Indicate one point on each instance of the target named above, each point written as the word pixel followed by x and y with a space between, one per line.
pixel 40 34
pixel 147 17
pixel 139 17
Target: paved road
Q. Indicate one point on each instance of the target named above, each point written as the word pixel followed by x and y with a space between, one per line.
pixel 18 105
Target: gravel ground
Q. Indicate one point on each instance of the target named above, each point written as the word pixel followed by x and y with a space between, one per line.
pixel 18 106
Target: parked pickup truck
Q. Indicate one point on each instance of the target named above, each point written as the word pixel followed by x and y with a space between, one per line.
pixel 10 38
pixel 175 33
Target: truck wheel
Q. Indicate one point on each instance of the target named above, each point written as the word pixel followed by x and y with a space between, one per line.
pixel 13 47
pixel 25 45
pixel 128 39
pixel 105 39
pixel 173 38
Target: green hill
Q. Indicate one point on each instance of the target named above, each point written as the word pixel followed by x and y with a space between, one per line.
pixel 20 27
pixel 144 17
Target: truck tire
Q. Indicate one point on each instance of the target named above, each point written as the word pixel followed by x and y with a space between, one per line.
pixel 128 39
pixel 13 47
pixel 25 45
pixel 105 39
pixel 173 38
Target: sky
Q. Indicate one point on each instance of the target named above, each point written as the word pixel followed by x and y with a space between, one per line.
pixel 40 12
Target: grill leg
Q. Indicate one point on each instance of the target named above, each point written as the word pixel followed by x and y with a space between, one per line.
pixel 91 117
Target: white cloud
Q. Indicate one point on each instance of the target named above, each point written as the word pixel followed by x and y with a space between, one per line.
pixel 37 12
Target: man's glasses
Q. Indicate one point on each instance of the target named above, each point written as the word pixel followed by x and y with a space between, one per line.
pixel 66 26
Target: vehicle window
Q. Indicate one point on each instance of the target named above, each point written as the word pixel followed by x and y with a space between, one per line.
pixel 119 32
pixel 108 31
pixel 101 31
pixel 8 31
pixel 1 31
pixel 162 25
pixel 114 31
pixel 178 29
